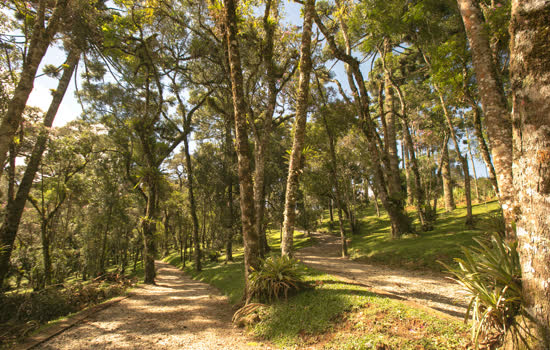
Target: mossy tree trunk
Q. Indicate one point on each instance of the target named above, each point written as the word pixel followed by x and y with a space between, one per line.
pixel 530 78
pixel 302 103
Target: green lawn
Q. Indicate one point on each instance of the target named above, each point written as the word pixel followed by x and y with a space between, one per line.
pixel 338 314
pixel 341 315
pixel 424 249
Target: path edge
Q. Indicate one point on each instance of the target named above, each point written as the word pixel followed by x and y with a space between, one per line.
pixel 68 322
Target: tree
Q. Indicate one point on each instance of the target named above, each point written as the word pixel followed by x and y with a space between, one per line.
pixel 250 235
pixel 45 27
pixel 493 101
pixel 530 78
pixel 302 104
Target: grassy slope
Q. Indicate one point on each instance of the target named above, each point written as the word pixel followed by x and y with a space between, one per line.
pixel 373 243
pixel 334 313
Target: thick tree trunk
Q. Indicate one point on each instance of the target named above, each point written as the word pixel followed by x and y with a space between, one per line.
pixel 530 77
pixel 493 101
pixel 302 104
pixel 14 209
pixel 447 180
pixel 390 140
pixel 40 40
pixel 250 236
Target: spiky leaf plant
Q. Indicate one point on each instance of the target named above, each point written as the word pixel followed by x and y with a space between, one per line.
pixel 275 278
pixel 491 273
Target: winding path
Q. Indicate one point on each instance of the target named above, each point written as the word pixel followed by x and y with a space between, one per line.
pixel 177 313
pixel 426 288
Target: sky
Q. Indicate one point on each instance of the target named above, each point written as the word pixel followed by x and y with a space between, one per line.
pixel 41 96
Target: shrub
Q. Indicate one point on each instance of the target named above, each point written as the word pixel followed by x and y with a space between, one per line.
pixel 492 275
pixel 276 277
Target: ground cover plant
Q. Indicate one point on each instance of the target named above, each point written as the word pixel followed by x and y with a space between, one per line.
pixel 422 250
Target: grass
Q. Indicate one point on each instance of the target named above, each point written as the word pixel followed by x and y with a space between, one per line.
pixel 422 250
pixel 333 313
pixel 339 314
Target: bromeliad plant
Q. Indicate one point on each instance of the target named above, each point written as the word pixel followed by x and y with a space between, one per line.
pixel 275 278
pixel 492 274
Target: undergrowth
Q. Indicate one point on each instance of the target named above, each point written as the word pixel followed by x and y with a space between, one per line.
pixel 22 313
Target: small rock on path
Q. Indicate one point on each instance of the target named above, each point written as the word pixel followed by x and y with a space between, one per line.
pixel 177 313
pixel 424 287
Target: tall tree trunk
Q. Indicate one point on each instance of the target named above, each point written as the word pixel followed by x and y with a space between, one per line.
pixel 229 220
pixel 463 160
pixel 262 140
pixel 41 38
pixel 447 180
pixel 400 222
pixel 250 236
pixel 478 132
pixel 336 185
pixel 14 209
pixel 493 101
pixel 530 78
pixel 390 139
pixel 302 104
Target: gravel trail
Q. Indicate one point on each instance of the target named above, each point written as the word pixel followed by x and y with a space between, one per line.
pixel 423 287
pixel 177 313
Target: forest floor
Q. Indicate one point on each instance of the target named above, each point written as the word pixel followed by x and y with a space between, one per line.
pixel 424 287
pixel 176 313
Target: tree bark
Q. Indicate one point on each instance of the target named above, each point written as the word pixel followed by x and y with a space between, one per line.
pixel 390 139
pixel 262 140
pixel 14 209
pixel 302 104
pixel 493 101
pixel 530 78
pixel 250 236
pixel 41 38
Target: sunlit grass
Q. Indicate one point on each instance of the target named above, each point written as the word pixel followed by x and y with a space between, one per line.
pixel 421 250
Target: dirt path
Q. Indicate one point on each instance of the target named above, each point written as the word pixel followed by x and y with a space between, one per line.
pixel 177 313
pixel 426 288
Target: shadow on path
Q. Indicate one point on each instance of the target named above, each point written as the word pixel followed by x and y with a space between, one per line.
pixel 177 313
pixel 427 288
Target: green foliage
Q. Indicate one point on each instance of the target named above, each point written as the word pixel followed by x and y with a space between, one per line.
pixel 276 277
pixel 492 275
pixel 21 313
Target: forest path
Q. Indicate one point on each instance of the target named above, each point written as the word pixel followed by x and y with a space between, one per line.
pixel 423 287
pixel 177 313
